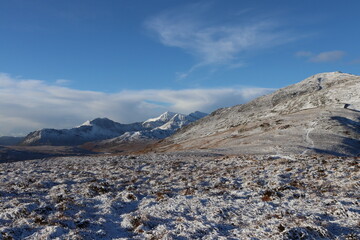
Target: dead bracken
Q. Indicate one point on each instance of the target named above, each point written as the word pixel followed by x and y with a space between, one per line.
pixel 182 195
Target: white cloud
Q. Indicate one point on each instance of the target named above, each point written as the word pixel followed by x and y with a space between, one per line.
pixel 27 105
pixel 329 56
pixel 210 42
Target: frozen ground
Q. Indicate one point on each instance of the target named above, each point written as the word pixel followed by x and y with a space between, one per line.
pixel 181 196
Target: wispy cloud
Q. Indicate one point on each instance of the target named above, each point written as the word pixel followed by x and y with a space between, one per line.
pixel 212 42
pixel 329 56
pixel 303 54
pixel 28 104
pixel 62 81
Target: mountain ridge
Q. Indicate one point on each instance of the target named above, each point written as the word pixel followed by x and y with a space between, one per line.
pixel 100 129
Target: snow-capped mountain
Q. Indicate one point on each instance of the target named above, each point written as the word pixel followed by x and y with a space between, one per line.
pixel 158 121
pixel 97 129
pixel 180 120
pixel 158 128
pixel 103 128
pixel 317 115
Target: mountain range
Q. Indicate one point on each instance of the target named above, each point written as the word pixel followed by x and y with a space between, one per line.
pixel 101 129
pixel 251 171
pixel 320 114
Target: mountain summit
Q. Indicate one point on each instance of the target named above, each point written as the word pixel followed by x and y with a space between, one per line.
pixel 321 114
pixel 158 121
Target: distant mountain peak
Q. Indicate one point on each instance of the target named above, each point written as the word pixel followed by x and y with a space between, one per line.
pixel 104 123
pixel 97 121
pixel 163 117
pixel 86 123
pixel 103 128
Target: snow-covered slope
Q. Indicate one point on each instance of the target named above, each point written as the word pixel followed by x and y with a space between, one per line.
pixel 103 128
pixel 97 129
pixel 158 121
pixel 306 117
pixel 158 128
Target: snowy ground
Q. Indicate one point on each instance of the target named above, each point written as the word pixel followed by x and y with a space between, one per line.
pixel 181 196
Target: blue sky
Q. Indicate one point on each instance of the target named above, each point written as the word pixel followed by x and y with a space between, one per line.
pixel 63 62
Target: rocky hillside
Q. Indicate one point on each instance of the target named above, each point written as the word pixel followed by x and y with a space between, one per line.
pixel 318 115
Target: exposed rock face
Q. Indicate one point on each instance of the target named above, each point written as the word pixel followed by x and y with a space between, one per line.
pixel 307 117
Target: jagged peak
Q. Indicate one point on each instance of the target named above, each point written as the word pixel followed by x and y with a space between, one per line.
pixel 86 123
pixel 166 116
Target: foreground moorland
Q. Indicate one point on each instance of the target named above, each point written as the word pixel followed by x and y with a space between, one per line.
pixel 181 196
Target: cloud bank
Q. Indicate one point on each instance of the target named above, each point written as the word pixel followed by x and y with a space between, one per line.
pixel 27 104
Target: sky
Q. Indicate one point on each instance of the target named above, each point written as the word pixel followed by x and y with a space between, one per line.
pixel 65 62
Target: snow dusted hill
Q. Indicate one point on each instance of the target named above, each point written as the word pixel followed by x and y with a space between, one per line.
pixel 97 129
pixel 103 128
pixel 318 115
pixel 158 121
pixel 161 127
pixel 155 129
